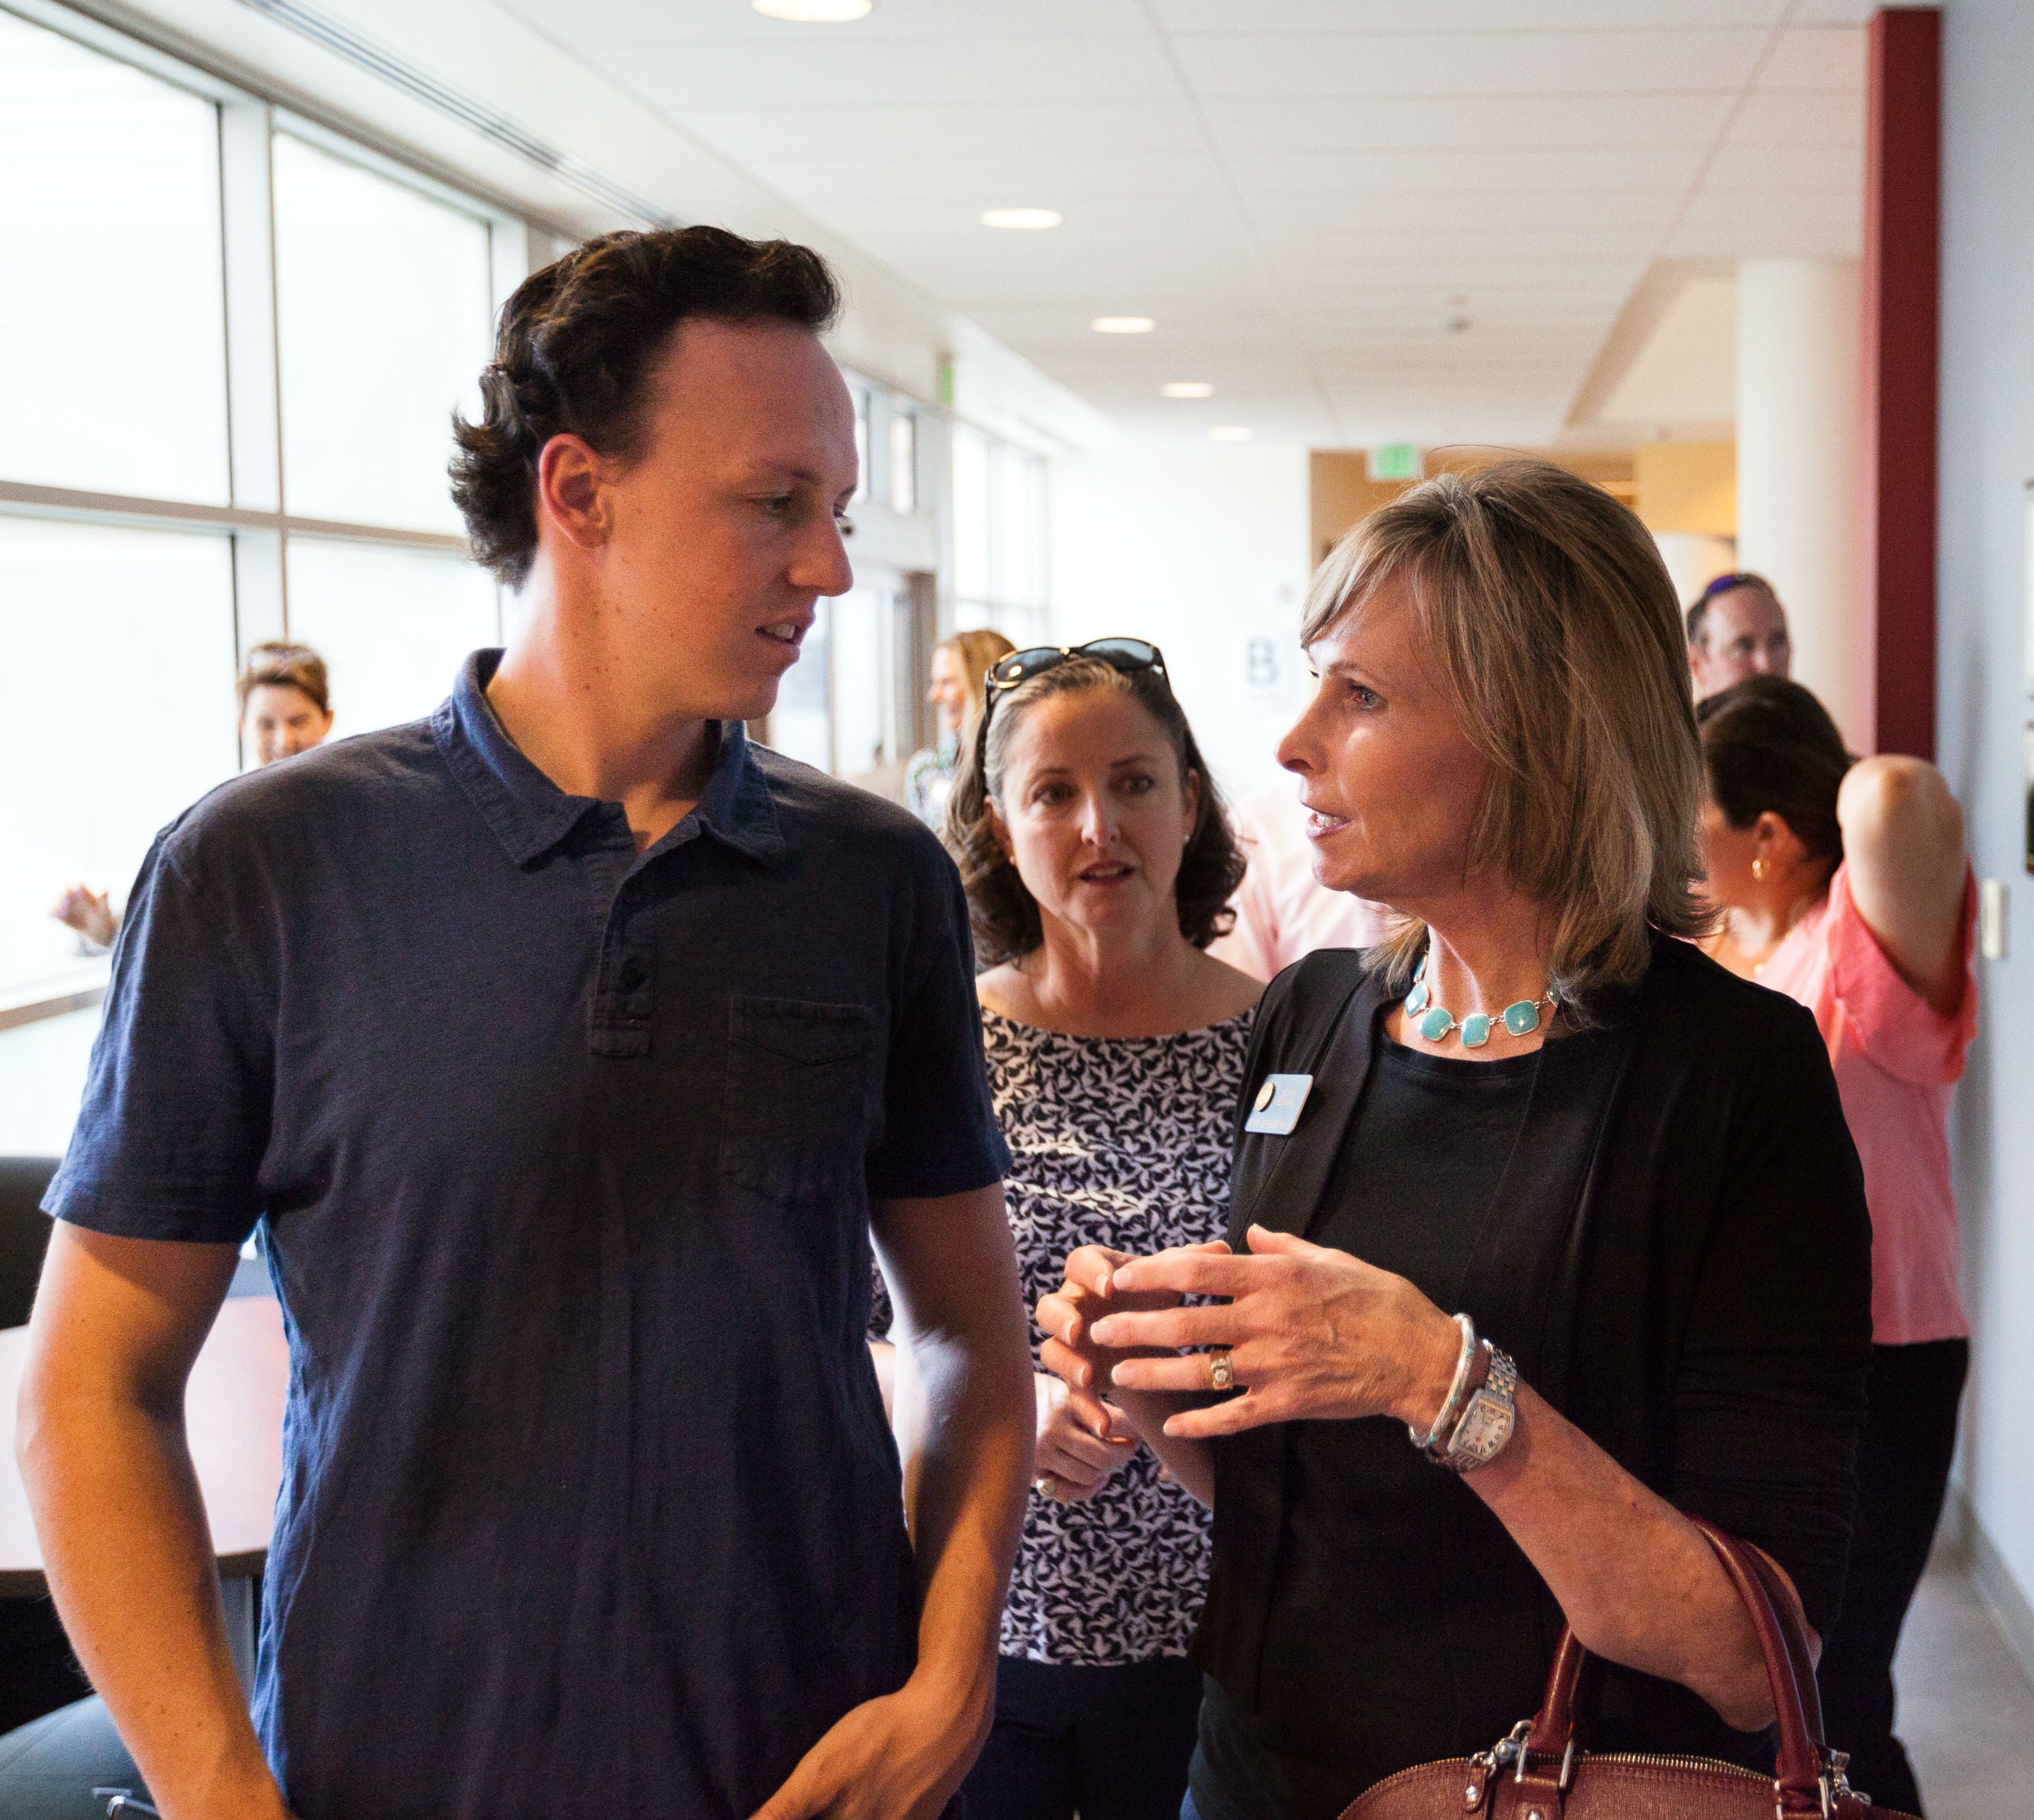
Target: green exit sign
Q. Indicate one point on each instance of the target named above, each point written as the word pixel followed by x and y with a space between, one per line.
pixel 1395 461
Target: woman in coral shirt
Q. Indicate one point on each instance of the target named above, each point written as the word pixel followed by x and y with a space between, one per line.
pixel 1846 886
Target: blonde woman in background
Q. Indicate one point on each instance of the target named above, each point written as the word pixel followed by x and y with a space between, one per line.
pixel 958 665
pixel 285 708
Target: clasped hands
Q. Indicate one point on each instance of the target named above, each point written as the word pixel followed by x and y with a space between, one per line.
pixel 1312 1332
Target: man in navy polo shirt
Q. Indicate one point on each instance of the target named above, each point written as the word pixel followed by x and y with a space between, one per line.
pixel 566 1050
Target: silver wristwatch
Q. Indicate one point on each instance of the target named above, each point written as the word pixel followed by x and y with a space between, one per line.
pixel 1487 1418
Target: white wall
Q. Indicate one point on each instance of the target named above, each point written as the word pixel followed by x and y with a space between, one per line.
pixel 1987 443
pixel 1204 553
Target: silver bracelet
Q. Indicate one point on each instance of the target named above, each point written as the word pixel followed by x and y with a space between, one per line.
pixel 1452 1408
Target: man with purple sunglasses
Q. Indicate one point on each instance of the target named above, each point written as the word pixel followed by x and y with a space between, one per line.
pixel 1737 628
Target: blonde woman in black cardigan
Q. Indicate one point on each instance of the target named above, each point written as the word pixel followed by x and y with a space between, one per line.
pixel 1534 1180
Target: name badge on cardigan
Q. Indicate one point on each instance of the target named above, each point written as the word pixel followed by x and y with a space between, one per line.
pixel 1276 1110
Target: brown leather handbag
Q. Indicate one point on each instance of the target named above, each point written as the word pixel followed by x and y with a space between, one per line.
pixel 1539 1773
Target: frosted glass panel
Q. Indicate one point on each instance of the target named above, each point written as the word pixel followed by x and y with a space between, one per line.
pixel 971 515
pixel 859 629
pixel 392 626
pixel 112 308
pixel 42 1080
pixel 117 710
pixel 801 723
pixel 1020 524
pixel 382 297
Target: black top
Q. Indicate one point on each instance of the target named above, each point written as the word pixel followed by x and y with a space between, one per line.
pixel 1413 1192
pixel 1676 1251
pixel 563 1156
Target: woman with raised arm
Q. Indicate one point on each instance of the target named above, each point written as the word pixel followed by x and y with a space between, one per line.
pixel 1097 861
pixel 1548 1232
pixel 1845 885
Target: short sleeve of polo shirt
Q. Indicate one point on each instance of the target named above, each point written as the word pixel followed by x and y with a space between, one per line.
pixel 174 1121
pixel 940 1134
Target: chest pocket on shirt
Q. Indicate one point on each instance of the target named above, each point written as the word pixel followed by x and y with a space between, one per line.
pixel 802 1094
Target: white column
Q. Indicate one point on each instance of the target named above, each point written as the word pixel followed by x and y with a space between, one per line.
pixel 1800 470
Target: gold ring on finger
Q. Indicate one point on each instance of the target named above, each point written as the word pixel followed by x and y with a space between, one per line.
pixel 1221 1370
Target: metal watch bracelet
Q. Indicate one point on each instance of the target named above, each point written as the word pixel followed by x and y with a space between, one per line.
pixel 1458 1389
pixel 1490 1413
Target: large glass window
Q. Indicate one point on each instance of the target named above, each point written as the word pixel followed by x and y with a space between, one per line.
pixel 392 626
pixel 112 304
pixel 999 536
pixel 136 203
pixel 117 700
pixel 383 310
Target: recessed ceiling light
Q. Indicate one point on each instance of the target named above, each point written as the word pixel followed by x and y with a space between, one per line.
pixel 1229 433
pixel 1122 325
pixel 1021 218
pixel 1186 389
pixel 813 12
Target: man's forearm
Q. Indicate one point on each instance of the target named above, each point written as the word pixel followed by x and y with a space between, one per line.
pixel 129 1559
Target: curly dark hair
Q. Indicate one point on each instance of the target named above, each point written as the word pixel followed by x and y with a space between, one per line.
pixel 1004 913
pixel 576 347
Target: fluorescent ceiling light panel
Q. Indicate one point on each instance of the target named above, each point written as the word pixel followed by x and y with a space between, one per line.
pixel 1122 325
pixel 813 12
pixel 1022 219
pixel 1229 433
pixel 1186 389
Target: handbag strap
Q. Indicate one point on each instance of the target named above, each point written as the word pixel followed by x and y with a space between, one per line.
pixel 1801 1784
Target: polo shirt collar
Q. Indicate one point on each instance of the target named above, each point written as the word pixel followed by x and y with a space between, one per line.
pixel 530 815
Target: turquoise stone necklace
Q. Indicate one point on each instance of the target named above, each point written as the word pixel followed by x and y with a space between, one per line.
pixel 1434 1021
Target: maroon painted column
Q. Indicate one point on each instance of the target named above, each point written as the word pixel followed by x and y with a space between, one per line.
pixel 1902 257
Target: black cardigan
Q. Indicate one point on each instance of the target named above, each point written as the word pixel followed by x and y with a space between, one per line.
pixel 1701 1255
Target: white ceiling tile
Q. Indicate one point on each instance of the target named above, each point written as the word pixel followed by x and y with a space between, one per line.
pixel 1836 12
pixel 1823 58
pixel 924 132
pixel 1444 16
pixel 1648 166
pixel 1455 211
pixel 1349 176
pixel 1259 65
pixel 1794 120
pixel 862 76
pixel 1455 122
pixel 983 179
pixel 1727 223
pixel 731 22
pixel 1354 250
pixel 1736 166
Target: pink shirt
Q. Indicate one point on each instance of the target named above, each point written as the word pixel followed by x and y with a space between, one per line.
pixel 1895 1058
pixel 1282 913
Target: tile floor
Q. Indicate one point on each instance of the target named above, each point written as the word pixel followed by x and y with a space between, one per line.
pixel 1966 1706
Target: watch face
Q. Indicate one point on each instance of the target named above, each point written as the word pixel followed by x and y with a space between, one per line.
pixel 1485 1426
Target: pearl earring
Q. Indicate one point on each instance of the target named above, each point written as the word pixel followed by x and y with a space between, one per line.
pixel 1758 870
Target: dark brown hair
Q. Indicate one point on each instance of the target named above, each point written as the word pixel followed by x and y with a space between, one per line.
pixel 1769 744
pixel 575 350
pixel 1004 913
pixel 280 666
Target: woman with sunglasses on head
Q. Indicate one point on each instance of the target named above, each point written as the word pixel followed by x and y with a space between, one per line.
pixel 1548 1233
pixel 1845 884
pixel 1097 861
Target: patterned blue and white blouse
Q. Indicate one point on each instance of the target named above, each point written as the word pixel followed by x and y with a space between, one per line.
pixel 1121 1140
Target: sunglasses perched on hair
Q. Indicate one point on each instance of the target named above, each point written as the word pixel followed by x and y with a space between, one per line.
pixel 1126 654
